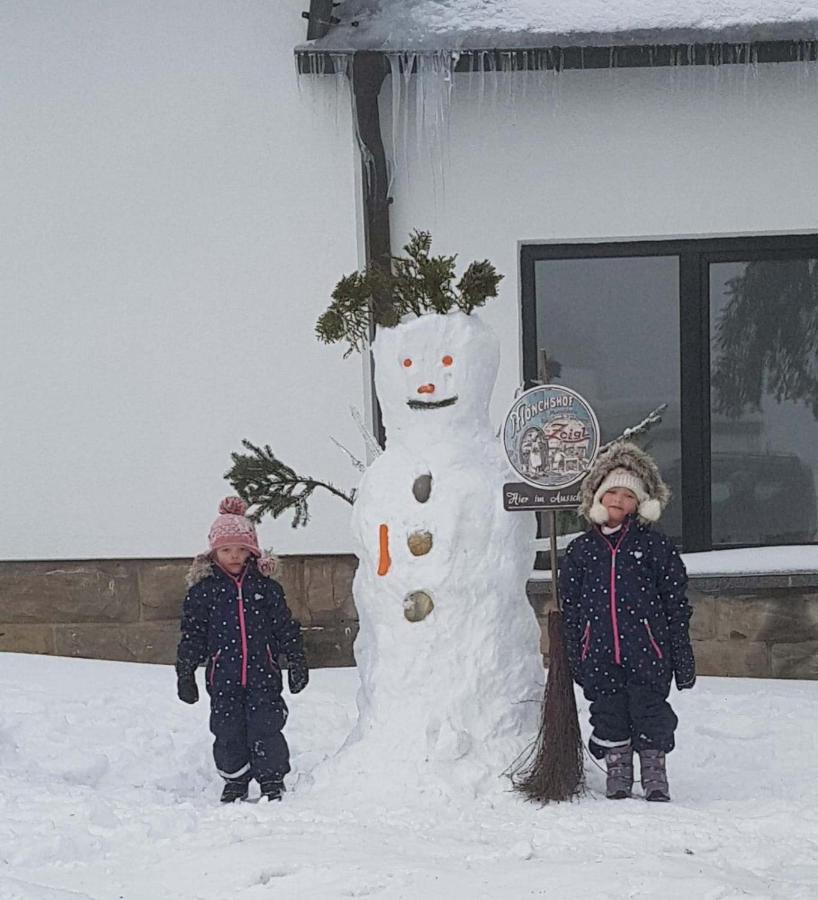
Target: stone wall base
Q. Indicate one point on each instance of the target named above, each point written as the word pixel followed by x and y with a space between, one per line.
pixel 128 610
pixel 750 626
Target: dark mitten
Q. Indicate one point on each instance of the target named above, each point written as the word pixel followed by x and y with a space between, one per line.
pixel 186 687
pixel 684 683
pixel 298 675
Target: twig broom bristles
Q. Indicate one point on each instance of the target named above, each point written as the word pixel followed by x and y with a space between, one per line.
pixel 553 769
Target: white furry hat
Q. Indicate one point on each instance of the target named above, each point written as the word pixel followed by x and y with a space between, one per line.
pixel 624 465
pixel 648 509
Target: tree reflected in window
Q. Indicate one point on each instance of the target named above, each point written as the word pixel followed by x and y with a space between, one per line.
pixel 766 337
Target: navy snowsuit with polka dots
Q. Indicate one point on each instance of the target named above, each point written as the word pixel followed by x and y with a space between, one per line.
pixel 238 627
pixel 626 618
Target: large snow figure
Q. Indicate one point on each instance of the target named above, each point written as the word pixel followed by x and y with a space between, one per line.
pixel 448 649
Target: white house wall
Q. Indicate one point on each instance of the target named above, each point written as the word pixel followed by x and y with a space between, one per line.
pixel 600 156
pixel 173 215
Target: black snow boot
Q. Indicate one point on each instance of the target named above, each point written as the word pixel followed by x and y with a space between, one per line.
pixel 272 788
pixel 235 789
pixel 654 775
pixel 619 762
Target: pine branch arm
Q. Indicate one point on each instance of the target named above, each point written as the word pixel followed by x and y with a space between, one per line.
pixel 269 486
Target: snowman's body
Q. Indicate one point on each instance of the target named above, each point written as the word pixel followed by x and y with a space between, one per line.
pixel 463 679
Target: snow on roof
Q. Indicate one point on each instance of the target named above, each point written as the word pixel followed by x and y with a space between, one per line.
pixel 417 25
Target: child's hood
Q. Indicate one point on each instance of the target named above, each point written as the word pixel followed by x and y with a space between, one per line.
pixel 625 455
pixel 202 567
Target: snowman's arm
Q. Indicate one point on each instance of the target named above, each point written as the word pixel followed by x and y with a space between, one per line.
pixel 384 561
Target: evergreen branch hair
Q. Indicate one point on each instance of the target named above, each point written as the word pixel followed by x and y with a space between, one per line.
pixel 479 282
pixel 348 316
pixel 269 486
pixel 416 284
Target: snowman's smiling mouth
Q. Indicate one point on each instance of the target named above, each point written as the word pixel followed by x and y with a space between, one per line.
pixel 431 404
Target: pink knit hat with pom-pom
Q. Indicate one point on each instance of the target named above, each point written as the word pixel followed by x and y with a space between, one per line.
pixel 233 528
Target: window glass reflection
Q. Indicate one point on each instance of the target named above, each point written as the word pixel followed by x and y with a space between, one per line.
pixel 609 329
pixel 764 401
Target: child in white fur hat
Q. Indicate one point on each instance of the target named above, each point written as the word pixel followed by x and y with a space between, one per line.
pixel 626 616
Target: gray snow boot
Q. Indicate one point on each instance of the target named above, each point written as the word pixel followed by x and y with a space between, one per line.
pixel 272 788
pixel 619 762
pixel 654 775
pixel 235 789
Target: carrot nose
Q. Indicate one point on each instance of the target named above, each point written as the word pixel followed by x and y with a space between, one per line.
pixel 426 389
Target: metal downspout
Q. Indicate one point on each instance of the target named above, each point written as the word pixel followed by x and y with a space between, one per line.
pixel 367 74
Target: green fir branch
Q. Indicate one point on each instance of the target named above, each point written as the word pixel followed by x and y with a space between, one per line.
pixel 414 284
pixel 270 487
pixel 348 315
pixel 479 282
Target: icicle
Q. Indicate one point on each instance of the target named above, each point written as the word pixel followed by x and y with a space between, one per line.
pixel 506 68
pixel 481 68
pixel 806 65
pixel 321 79
pixel 367 158
pixel 397 111
pixel 430 76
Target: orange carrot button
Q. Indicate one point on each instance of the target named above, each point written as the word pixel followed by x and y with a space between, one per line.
pixel 384 562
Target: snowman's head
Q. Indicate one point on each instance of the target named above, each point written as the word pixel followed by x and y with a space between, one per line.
pixel 435 370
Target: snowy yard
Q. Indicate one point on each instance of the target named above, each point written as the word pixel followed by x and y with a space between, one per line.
pixel 107 791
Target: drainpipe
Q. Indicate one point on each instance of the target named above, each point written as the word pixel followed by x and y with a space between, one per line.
pixel 320 18
pixel 367 75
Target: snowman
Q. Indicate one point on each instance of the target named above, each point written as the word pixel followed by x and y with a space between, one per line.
pixel 448 651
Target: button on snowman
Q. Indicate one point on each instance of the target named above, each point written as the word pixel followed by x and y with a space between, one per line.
pixel 448 650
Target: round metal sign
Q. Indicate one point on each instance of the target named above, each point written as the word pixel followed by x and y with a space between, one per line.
pixel 551 436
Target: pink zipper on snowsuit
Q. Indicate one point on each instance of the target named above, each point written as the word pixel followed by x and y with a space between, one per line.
pixel 242 628
pixel 614 620
pixel 657 649
pixel 586 641
pixel 213 667
pixel 240 602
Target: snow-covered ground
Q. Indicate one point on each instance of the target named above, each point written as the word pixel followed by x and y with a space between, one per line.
pixel 107 791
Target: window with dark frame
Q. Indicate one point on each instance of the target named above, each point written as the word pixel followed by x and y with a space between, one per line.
pixel 725 332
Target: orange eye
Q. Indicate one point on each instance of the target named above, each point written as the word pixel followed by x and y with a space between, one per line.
pixel 447 360
pixel 407 362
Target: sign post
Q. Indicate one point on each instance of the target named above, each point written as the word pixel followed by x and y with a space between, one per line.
pixel 551 439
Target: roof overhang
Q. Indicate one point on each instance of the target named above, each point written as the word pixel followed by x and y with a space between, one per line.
pixel 481 49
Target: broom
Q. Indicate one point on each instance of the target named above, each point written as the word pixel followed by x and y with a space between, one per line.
pixel 552 770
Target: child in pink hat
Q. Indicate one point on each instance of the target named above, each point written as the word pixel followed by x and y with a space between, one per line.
pixel 236 622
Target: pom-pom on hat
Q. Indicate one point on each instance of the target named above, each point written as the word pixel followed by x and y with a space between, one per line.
pixel 624 465
pixel 233 528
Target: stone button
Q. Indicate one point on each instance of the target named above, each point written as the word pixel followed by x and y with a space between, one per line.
pixel 417 606
pixel 420 543
pixel 422 488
